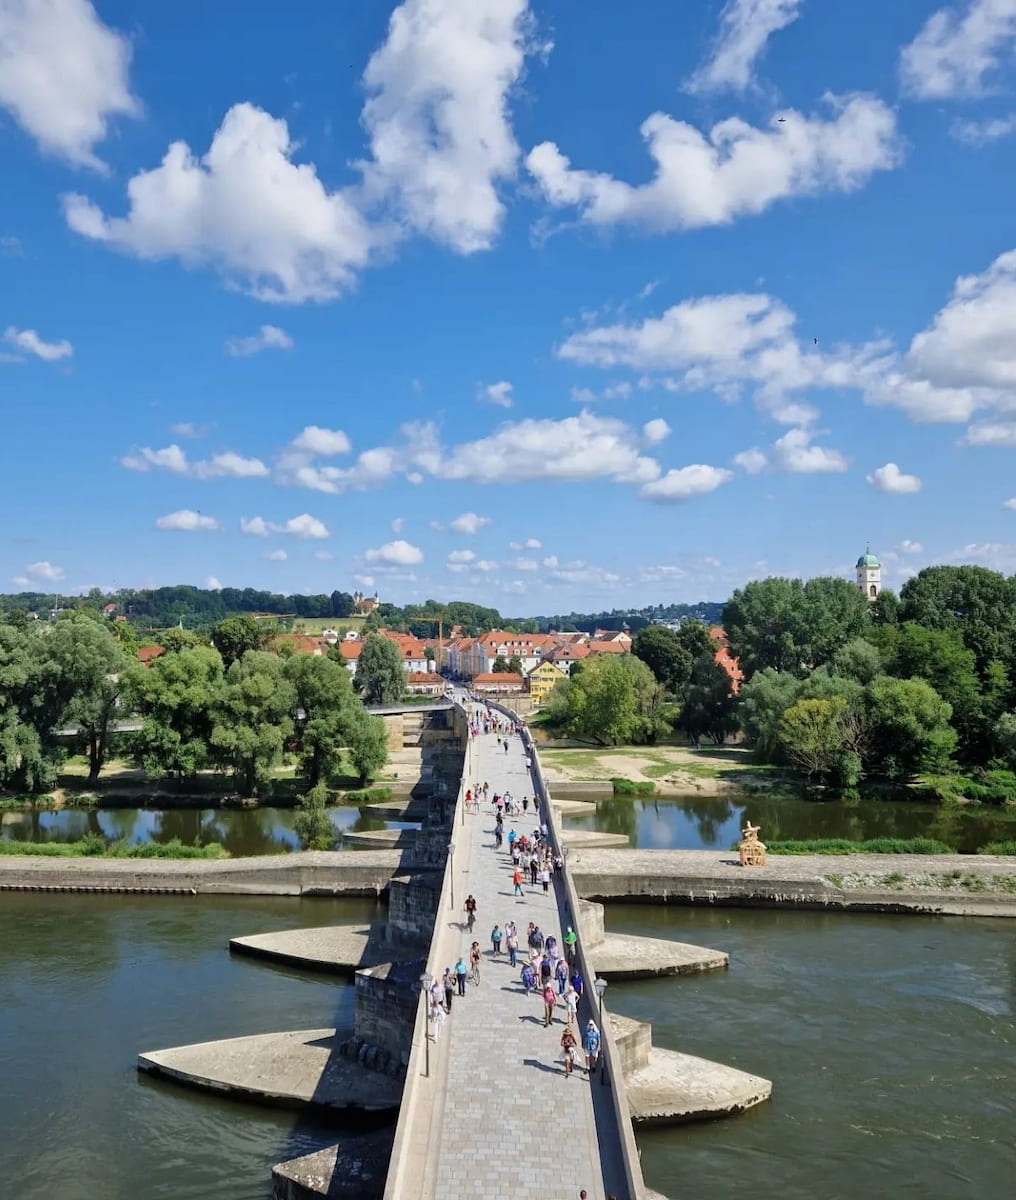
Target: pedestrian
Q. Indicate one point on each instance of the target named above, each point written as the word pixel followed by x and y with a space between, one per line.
pixel 534 867
pixel 495 940
pixel 517 882
pixel 528 978
pixel 513 946
pixel 536 938
pixel 437 1019
pixel 591 1045
pixel 570 940
pixel 546 971
pixel 561 975
pixel 568 1044
pixel 529 763
pixel 549 1000
pixel 545 879
pixel 525 804
pixel 536 804
pixel 448 979
pixel 437 993
pixel 460 975
pixel 506 745
pixel 577 982
pixel 571 1004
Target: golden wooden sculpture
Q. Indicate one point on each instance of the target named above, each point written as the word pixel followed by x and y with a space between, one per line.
pixel 750 849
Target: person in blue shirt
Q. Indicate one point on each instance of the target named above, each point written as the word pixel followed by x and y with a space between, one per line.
pixel 591 1045
pixel 461 971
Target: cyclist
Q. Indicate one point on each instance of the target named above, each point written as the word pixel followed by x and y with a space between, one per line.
pixel 470 911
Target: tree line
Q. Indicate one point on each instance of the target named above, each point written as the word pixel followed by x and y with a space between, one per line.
pixel 240 711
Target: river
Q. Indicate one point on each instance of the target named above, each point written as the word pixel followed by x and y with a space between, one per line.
pixel 891 1042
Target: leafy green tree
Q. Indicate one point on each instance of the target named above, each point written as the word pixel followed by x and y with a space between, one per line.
pixel 178 697
pixel 500 665
pixel 366 740
pixel 709 707
pixel 341 604
pixel 858 659
pixel 661 650
pixel 908 727
pixel 515 665
pixel 312 824
pixel 253 718
pixel 763 621
pixel 24 765
pixel 695 639
pixel 885 608
pixel 835 612
pixel 81 667
pixel 234 636
pixel 1005 737
pixel 379 673
pixel 173 640
pixel 762 702
pixel 815 738
pixel 614 700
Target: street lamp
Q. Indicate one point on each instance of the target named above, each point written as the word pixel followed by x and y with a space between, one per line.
pixel 426 979
pixel 451 874
pixel 600 986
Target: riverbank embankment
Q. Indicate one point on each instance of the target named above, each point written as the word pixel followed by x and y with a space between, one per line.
pixel 953 884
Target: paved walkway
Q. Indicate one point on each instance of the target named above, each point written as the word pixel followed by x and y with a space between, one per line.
pixel 513 1124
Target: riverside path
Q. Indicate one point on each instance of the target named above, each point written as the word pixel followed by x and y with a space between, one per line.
pixel 511 1123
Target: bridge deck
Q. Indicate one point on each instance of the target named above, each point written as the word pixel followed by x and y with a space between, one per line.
pixel 511 1122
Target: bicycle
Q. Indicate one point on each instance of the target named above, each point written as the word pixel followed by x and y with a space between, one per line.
pixel 474 974
pixel 470 920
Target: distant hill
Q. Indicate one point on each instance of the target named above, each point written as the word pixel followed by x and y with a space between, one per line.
pixel 708 611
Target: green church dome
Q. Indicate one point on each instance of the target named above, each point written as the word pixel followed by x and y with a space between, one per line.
pixel 868 560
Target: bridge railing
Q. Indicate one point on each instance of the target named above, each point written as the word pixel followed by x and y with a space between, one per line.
pixel 632 1165
pixel 421 1096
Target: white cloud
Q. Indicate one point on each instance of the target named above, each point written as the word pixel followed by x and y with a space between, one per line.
pixel 364 580
pixel 172 458
pixel 955 50
pixel 276 555
pixel 499 394
pixel 583 395
pixel 267 223
pixel 213 584
pixel 28 341
pixel 268 337
pixel 685 482
pixel 469 523
pixel 990 433
pixel 63 75
pixel 459 560
pixel 39 572
pixel 1011 503
pixel 795 454
pixel 524 564
pixel 323 443
pixel 892 480
pixel 185 429
pixel 752 461
pixel 396 554
pixel 529 544
pixel 323 556
pixel 907 546
pixel 398 524
pixel 736 170
pixel 980 133
pixel 437 115
pixel 584 574
pixel 186 520
pixel 655 431
pixel 745 27
pixel 304 526
pixel 485 564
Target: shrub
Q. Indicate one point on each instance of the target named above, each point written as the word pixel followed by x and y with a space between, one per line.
pixel 312 824
pixel 96 847
pixel 632 787
pixel 998 848
pixel 873 846
pixel 366 796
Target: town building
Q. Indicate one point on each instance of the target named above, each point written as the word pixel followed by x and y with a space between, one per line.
pixel 424 683
pixel 363 605
pixel 542 680
pixel 869 575
pixel 500 683
pixel 725 659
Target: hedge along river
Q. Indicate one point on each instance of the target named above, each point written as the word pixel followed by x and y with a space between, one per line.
pixel 654 823
pixel 891 1042
pixel 715 822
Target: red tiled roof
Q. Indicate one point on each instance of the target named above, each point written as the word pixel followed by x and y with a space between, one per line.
pixel 607 648
pixel 350 650
pixel 497 677
pixel 148 654
pixel 425 677
pixel 568 652
pixel 302 643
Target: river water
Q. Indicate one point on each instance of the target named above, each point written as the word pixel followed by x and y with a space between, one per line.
pixel 891 1041
pixel 665 822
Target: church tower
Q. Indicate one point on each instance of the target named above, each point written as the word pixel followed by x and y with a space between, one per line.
pixel 869 574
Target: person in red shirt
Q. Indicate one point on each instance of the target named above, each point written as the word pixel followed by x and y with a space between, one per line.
pixel 549 1001
pixel 517 882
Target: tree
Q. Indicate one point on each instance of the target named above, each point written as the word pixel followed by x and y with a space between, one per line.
pixel 815 738
pixel 173 640
pixel 81 666
pixel 762 702
pixel 909 727
pixel 885 608
pixel 835 612
pixel 366 739
pixel 379 673
pixel 762 621
pixel 858 659
pixel 342 604
pixel 312 824
pixel 253 718
pixel 500 666
pixel 695 639
pixel 661 650
pixel 234 636
pixel 24 765
pixel 614 700
pixel 709 702
pixel 178 698
pixel 515 665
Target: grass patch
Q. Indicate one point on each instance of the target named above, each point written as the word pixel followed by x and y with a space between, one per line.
pixel 365 796
pixel 873 846
pixel 631 787
pixel 97 847
pixel 998 848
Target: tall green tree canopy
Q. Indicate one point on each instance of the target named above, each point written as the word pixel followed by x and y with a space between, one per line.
pixel 379 672
pixel 615 699
pixel 664 654
pixel 178 698
pixel 236 635
pixel 709 705
pixel 253 718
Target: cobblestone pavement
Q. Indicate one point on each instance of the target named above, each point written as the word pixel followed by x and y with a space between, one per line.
pixel 514 1125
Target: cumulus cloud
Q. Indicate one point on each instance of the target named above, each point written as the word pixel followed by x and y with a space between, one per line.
pixel 907 546
pixel 437 116
pixel 268 337
pixel 398 524
pixel 267 223
pixel 396 554
pixel 227 465
pixel 213 584
pixel 529 544
pixel 255 527
pixel 323 443
pixel 460 560
pixel 745 28
pixel 499 394
pixel 655 431
pixel 751 461
pixel 304 526
pixel 956 48
pixel 28 341
pixel 981 133
pixel 39 572
pixel 469 523
pixel 186 520
pixel 276 555
pixel 795 454
pixel 685 482
pixel 1010 503
pixel 733 171
pixel 63 75
pixel 892 480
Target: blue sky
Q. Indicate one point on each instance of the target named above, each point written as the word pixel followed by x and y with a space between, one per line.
pixel 544 305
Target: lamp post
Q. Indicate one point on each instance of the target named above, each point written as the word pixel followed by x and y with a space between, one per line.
pixel 451 874
pixel 426 979
pixel 600 986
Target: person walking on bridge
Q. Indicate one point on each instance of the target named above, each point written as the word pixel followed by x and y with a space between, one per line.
pixel 512 942
pixel 460 975
pixel 549 1001
pixel 448 982
pixel 517 882
pixel 495 941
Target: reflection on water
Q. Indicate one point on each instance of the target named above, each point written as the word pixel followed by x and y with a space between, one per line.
pixel 715 822
pixel 891 1042
pixel 242 831
pixel 87 983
